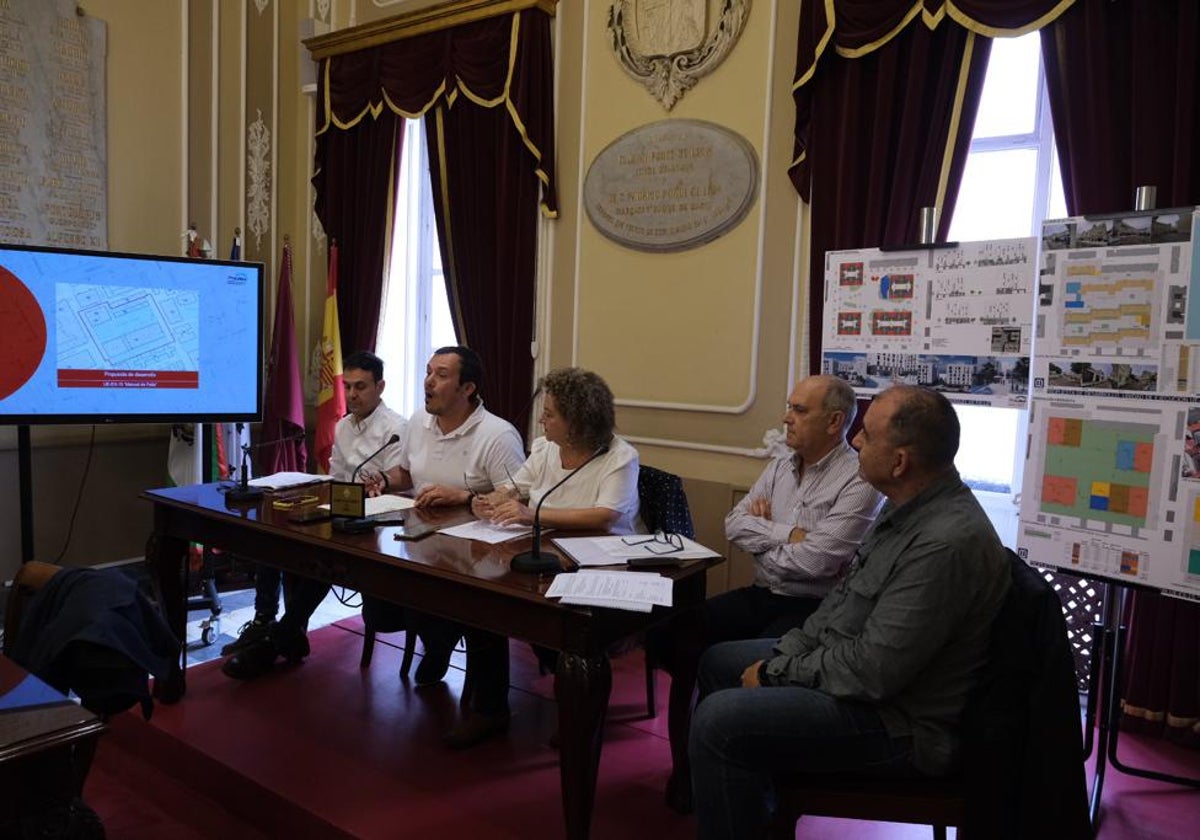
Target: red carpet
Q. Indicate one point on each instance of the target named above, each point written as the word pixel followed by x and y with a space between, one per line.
pixel 325 749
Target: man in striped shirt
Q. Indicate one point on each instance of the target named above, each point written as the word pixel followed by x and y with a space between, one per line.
pixel 802 520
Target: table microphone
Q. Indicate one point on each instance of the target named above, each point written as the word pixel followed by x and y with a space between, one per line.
pixel 242 491
pixel 535 560
pixel 361 524
pixel 367 460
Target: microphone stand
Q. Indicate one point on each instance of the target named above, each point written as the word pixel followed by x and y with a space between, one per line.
pixel 535 560
pixel 242 491
pixel 361 524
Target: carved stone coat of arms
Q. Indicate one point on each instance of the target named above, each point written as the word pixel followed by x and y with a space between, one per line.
pixel 667 45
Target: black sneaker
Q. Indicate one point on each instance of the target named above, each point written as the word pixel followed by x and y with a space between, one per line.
pixel 252 661
pixel 251 632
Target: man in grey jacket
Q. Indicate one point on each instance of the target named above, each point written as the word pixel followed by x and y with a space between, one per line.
pixel 876 679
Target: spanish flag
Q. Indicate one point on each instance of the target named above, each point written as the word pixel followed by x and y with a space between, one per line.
pixel 331 399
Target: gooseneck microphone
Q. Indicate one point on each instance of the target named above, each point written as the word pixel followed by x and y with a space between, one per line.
pixel 242 491
pixel 535 560
pixel 360 525
pixel 393 439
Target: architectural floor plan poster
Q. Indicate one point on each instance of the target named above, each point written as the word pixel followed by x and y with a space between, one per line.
pixel 956 318
pixel 1112 475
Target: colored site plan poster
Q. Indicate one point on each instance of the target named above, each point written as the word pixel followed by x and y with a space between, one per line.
pixel 1112 476
pixel 956 318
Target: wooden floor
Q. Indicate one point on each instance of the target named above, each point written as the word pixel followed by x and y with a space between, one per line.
pixel 328 750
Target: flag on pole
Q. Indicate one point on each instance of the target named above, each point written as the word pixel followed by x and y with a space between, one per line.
pixel 281 439
pixel 235 250
pixel 331 398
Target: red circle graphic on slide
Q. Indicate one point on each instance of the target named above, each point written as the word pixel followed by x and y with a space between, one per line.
pixel 22 333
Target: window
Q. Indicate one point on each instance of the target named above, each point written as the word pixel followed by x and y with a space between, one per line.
pixel 415 316
pixel 1011 183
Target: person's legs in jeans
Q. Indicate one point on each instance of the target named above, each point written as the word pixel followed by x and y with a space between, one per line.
pixel 745 613
pixel 741 737
pixel 266 605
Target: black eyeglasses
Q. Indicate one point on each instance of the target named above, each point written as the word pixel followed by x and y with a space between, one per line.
pixel 660 542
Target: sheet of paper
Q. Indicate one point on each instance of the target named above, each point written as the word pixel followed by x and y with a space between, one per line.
pixel 614 551
pixel 378 505
pixel 280 480
pixel 482 531
pixel 620 588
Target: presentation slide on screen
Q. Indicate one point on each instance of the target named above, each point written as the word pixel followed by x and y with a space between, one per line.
pixel 1112 474
pixel 106 336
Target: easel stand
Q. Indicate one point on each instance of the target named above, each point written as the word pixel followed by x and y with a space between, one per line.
pixel 1108 647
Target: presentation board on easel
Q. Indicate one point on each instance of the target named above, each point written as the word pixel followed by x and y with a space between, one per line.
pixel 1112 474
pixel 957 318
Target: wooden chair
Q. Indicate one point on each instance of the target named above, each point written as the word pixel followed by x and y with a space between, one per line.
pixel 379 617
pixel 935 802
pixel 663 506
pixel 31 577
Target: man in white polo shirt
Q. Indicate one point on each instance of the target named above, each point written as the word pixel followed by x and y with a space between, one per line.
pixel 455 449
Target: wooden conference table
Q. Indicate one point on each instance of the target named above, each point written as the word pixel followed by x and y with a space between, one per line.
pixel 46 746
pixel 458 579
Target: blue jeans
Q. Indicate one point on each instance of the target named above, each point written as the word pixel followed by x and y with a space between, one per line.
pixel 741 737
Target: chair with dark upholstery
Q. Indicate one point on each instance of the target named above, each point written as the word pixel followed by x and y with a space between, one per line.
pixel 663 507
pixel 1022 769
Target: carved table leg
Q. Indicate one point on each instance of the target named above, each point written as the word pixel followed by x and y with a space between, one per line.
pixel 582 686
pixel 167 558
pixel 689 646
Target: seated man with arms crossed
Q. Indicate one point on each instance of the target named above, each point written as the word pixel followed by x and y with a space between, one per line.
pixel 455 450
pixel 802 520
pixel 361 434
pixel 876 679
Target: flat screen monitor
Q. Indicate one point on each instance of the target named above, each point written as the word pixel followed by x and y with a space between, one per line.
pixel 97 337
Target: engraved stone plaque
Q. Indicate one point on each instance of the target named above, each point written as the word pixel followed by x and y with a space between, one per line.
pixel 671 185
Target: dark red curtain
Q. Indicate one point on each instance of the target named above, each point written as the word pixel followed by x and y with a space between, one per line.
pixel 886 93
pixel 487 226
pixel 493 76
pixel 352 185
pixel 1124 84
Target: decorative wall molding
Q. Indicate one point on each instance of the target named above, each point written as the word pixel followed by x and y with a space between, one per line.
pixel 258 167
pixel 669 45
pixel 261 5
pixel 417 22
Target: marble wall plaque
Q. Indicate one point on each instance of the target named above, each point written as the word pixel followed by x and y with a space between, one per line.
pixel 53 155
pixel 671 185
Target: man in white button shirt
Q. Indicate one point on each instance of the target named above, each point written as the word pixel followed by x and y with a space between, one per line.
pixel 360 439
pixel 802 520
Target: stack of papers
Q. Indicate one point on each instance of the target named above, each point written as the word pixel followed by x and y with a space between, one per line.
pixel 613 551
pixel 636 591
pixel 281 480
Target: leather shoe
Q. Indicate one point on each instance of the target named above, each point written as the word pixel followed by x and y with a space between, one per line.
pixel 435 661
pixel 251 661
pixel 293 648
pixel 476 729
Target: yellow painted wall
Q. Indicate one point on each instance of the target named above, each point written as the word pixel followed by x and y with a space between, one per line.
pixel 703 339
pixel 698 345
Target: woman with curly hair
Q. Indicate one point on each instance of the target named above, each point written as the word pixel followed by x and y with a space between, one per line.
pixel 578 419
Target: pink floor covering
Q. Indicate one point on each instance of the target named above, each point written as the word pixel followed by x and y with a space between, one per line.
pixel 328 750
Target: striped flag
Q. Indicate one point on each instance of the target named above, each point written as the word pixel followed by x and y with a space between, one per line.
pixel 281 438
pixel 331 399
